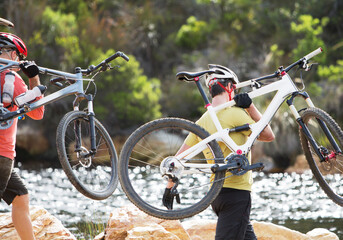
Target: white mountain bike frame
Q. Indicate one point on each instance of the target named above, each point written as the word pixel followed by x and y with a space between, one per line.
pixel 284 88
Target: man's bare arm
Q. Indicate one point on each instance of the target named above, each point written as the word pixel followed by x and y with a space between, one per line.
pixel 267 134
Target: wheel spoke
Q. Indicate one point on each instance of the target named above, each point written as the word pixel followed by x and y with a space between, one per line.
pixel 94 175
pixel 151 155
pixel 329 173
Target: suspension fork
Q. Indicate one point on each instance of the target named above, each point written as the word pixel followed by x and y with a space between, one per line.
pixel 324 127
pixel 91 117
pixel 301 123
pixel 305 129
pixel 77 125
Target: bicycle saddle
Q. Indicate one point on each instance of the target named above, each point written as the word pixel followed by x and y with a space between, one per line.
pixel 189 76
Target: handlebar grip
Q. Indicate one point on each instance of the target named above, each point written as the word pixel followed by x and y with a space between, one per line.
pixel 126 58
pixel 314 53
pixel 117 54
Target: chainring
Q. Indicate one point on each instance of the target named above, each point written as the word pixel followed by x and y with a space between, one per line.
pixel 241 160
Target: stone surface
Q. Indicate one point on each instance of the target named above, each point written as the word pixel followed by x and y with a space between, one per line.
pixel 128 221
pixel 32 140
pixel 270 231
pixel 200 229
pixel 151 232
pixel 322 234
pixel 45 226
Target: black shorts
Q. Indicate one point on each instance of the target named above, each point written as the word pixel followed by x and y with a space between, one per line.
pixel 232 207
pixel 11 185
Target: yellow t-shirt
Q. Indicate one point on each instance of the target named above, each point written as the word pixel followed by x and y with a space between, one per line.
pixel 228 118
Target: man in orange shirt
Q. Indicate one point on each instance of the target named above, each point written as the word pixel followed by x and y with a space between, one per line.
pixel 12 188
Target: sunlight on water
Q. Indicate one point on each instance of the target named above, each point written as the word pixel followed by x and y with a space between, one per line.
pixel 276 197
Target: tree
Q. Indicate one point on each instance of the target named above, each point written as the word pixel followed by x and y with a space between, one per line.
pixel 126 97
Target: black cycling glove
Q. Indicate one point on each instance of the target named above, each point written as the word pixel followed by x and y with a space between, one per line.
pixel 168 198
pixel 242 100
pixel 29 68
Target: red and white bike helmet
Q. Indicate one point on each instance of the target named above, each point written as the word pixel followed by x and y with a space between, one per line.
pixel 221 74
pixel 8 40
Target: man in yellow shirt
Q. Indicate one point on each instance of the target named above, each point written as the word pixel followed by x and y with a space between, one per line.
pixel 233 203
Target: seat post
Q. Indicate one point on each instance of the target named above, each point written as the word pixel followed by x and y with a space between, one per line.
pixel 201 90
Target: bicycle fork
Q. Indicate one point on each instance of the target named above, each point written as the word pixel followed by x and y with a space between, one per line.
pixel 305 129
pixel 77 126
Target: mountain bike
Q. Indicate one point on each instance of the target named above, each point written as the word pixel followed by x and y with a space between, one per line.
pixel 199 172
pixel 85 149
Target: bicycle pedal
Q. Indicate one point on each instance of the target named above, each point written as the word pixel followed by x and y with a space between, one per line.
pixel 257 167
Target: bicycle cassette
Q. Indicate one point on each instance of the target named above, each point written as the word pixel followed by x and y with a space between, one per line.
pixel 171 167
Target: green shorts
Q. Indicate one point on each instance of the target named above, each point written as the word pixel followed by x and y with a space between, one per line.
pixel 11 185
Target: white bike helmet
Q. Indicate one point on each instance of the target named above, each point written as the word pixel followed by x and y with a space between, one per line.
pixel 221 74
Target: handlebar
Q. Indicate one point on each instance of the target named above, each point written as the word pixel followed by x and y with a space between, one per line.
pixel 90 69
pixel 62 76
pixel 104 63
pixel 302 61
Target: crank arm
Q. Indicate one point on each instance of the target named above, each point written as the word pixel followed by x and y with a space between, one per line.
pixel 216 168
pixel 255 166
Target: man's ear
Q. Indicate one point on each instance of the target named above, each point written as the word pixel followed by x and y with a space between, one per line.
pixel 14 55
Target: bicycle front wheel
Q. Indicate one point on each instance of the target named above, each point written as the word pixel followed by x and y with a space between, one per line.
pixel 148 149
pixel 94 174
pixel 329 171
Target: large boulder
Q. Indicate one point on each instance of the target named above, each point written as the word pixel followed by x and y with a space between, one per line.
pixel 269 231
pixel 128 222
pixel 45 226
pixel 32 140
pixel 300 165
pixel 201 229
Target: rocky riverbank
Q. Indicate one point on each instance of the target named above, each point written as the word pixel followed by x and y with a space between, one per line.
pixel 128 223
pixel 45 226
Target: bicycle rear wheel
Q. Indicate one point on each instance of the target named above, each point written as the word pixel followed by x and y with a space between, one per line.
pixel 93 175
pixel 147 149
pixel 329 173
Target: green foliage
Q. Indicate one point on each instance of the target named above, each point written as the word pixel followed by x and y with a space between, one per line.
pixel 311 29
pixel 275 56
pixel 314 89
pixel 127 96
pixel 62 29
pixel 332 72
pixel 192 34
pixel 57 39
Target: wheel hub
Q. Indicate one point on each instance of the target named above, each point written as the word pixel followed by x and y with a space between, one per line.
pixel 171 167
pixel 84 157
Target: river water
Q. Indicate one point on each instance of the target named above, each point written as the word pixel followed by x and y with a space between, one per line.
pixel 290 200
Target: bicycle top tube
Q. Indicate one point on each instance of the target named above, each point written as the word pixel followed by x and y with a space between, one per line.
pixel 14 64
